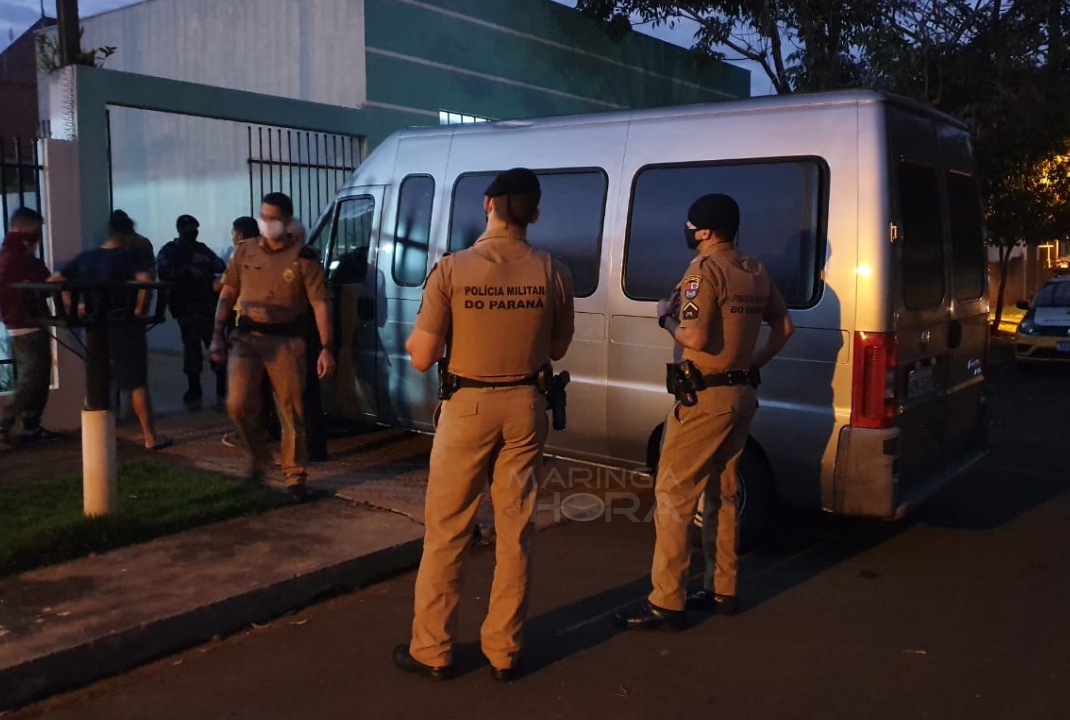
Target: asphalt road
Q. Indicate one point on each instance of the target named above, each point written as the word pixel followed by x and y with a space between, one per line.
pixel 957 612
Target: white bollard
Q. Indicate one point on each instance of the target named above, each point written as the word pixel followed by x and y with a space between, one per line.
pixel 98 462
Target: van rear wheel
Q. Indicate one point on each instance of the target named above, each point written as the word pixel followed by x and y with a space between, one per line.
pixel 759 505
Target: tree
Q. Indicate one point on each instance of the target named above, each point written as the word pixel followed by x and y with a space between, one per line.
pixel 1002 66
pixel 1031 206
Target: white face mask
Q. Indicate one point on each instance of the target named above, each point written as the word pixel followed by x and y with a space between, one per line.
pixel 271 229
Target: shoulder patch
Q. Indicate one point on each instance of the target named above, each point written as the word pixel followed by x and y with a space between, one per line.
pixel 690 286
pixel 690 312
pixel 308 253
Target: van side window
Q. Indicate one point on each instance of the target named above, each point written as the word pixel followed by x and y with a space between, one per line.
pixel 783 220
pixel 923 245
pixel 412 231
pixel 570 219
pixel 967 237
pixel 352 240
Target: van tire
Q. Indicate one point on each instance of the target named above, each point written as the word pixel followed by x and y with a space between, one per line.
pixel 761 509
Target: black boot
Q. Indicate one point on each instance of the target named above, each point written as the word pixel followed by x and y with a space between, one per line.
pixel 193 394
pixel 651 617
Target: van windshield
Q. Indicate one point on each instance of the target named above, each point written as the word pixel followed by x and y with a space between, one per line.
pixel 1056 294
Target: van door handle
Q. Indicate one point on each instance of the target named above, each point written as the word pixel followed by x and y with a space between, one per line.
pixel 954 334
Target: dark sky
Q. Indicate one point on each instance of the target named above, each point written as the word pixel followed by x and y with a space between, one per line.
pixel 17 15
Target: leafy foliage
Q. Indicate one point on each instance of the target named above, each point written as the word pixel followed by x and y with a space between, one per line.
pixel 48 55
pixel 1002 66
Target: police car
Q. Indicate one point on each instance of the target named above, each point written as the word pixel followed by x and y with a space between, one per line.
pixel 1044 333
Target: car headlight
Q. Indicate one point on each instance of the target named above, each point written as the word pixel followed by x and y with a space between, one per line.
pixel 1026 327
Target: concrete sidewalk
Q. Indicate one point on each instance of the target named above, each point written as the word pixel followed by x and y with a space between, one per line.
pixel 71 624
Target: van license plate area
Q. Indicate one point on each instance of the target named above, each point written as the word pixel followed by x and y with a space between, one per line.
pixel 920 382
pixel 1062 347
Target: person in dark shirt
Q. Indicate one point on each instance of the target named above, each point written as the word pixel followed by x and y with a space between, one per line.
pixel 193 267
pixel 138 246
pixel 116 261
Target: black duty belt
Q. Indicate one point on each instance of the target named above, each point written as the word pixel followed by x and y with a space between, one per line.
pixel 463 382
pixel 290 329
pixel 732 377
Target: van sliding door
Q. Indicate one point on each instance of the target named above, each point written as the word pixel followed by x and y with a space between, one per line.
pixel 353 277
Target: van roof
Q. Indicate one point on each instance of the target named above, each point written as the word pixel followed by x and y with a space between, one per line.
pixel 768 103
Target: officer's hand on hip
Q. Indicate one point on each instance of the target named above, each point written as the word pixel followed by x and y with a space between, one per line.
pixel 325 365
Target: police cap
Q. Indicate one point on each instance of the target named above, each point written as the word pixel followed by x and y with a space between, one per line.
pixel 716 212
pixel 185 222
pixel 518 181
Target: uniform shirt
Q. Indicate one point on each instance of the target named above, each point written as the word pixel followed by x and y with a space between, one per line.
pixel 275 286
pixel 192 266
pixel 502 303
pixel 728 294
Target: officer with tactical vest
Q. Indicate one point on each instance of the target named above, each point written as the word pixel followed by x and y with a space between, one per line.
pixel 505 310
pixel 715 314
pixel 272 280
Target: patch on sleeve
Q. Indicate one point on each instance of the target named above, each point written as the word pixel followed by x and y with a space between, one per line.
pixel 689 287
pixel 690 312
pixel 308 253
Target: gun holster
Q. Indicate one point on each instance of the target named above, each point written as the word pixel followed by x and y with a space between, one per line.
pixel 684 381
pixel 447 381
pixel 553 387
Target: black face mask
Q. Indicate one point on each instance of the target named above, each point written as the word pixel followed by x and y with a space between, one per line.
pixel 689 236
pixel 188 235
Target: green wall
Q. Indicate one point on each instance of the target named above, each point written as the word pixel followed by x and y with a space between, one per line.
pixel 485 57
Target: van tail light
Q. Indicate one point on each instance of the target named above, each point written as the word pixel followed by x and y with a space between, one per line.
pixel 873 400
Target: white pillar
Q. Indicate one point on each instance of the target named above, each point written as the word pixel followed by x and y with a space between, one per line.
pixel 98 462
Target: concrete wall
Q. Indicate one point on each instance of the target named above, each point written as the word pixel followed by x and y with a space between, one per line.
pixel 299 49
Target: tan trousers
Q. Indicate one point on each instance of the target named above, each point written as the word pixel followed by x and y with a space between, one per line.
pixel 283 359
pixel 700 442
pixel 492 434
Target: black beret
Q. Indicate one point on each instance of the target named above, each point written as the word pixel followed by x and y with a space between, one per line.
pixel 186 221
pixel 518 181
pixel 716 212
pixel 26 214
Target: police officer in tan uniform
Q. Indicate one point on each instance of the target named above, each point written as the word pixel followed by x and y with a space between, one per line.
pixel 715 314
pixel 272 280
pixel 506 310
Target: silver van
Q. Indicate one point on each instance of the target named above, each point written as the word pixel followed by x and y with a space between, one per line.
pixel 864 206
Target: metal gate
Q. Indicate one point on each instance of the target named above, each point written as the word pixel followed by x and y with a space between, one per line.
pixel 307 166
pixel 20 182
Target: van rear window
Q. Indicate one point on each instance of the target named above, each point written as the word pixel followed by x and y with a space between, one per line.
pixel 783 219
pixel 967 237
pixel 570 219
pixel 923 245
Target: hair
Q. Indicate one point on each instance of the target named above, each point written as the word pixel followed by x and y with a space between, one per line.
pixel 24 217
pixel 282 201
pixel 516 209
pixel 247 227
pixel 119 223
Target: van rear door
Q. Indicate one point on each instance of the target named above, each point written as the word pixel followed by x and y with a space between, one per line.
pixel 968 319
pixel 920 315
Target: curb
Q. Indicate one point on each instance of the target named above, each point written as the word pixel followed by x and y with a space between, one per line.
pixel 96 659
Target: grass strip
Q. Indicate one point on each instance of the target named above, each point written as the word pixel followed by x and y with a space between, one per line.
pixel 41 523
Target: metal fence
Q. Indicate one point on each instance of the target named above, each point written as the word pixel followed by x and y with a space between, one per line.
pixel 307 166
pixel 20 182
